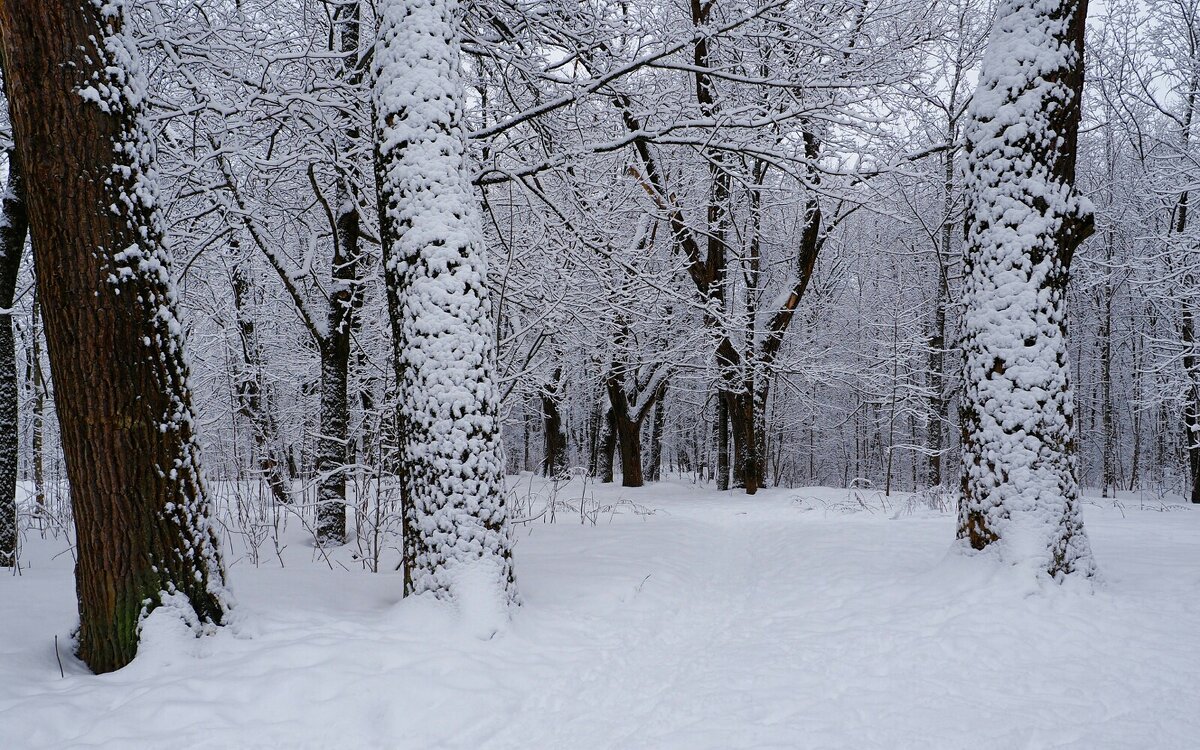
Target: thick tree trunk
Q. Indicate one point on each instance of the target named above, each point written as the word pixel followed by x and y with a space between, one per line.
pixel 456 537
pixel 76 93
pixel 14 224
pixel 1020 490
pixel 627 427
pixel 745 422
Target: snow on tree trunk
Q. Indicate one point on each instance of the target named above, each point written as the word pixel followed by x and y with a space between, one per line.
pixel 1020 492
pixel 457 541
pixel 13 229
pixel 77 92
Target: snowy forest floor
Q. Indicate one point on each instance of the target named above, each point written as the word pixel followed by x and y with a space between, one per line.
pixel 693 619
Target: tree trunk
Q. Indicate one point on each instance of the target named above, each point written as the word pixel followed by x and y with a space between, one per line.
pixel 554 453
pixel 630 443
pixel 1136 413
pixel 657 428
pixel 335 422
pixel 252 402
pixel 722 429
pixel 627 427
pixel 333 446
pixel 595 430
pixel 527 428
pixel 14 224
pixel 1020 489
pixel 608 447
pixel 939 403
pixel 452 482
pixel 38 383
pixel 748 442
pixel 76 92
pixel 1191 362
pixel 1109 437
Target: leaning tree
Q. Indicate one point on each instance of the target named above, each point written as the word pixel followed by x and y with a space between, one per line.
pixel 77 98
pixel 1020 490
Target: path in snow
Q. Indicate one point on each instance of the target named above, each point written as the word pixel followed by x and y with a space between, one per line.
pixel 717 622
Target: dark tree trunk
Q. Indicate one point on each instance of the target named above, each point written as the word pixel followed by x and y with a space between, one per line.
pixel 657 428
pixel 38 384
pixel 333 446
pixel 527 429
pixel 745 421
pixel 630 443
pixel 938 403
pixel 608 447
pixel 595 430
pixel 628 430
pixel 124 406
pixel 554 454
pixel 13 228
pixel 628 416
pixel 252 402
pixel 1191 407
pixel 722 429
pixel 1191 361
pixel 335 422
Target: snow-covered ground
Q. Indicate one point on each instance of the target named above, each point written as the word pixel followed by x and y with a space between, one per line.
pixel 705 620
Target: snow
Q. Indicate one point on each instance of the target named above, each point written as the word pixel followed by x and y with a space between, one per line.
pixel 685 618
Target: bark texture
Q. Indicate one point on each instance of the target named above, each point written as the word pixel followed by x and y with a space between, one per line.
pixel 76 94
pixel 14 225
pixel 554 454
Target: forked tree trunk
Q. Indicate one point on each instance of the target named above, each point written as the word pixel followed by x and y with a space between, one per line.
pixel 13 228
pixel 76 93
pixel 1020 491
pixel 456 537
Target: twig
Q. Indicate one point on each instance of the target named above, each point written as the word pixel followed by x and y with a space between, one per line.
pixel 58 656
